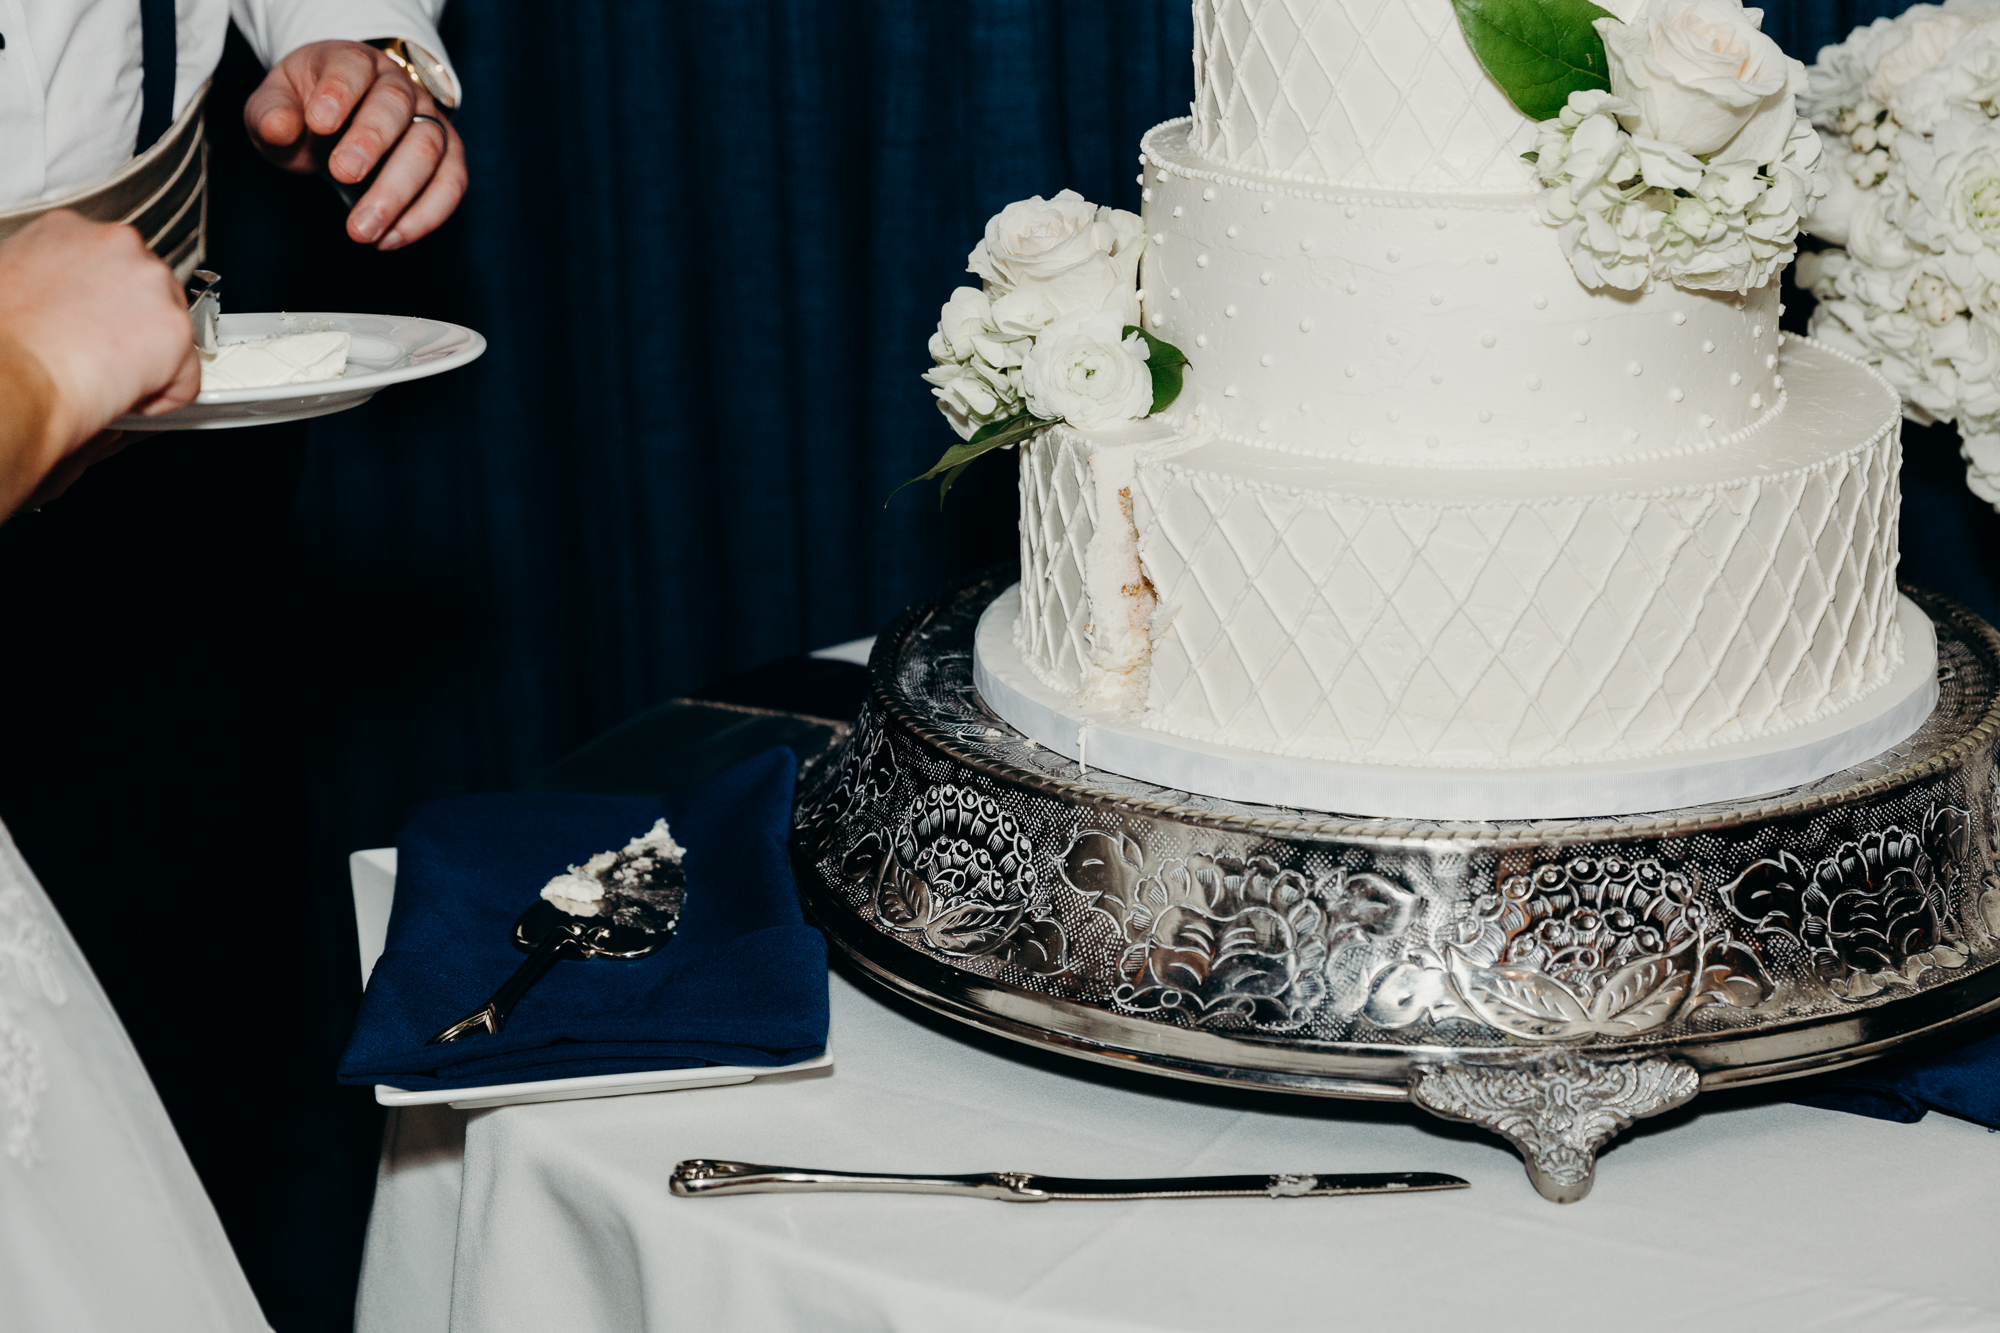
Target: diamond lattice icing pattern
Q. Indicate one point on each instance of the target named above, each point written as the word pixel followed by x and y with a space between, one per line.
pixel 1365 92
pixel 1341 628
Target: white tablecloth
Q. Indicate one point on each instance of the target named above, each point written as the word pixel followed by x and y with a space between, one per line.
pixel 1747 1215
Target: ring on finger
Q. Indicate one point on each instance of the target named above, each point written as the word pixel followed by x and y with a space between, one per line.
pixel 433 120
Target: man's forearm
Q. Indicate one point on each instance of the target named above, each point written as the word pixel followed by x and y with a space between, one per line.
pixel 29 447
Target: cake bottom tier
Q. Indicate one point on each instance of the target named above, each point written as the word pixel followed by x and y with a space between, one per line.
pixel 1450 617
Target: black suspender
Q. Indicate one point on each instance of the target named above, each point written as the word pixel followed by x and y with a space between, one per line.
pixel 159 54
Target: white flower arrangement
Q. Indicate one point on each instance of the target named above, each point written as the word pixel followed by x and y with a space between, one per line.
pixel 1669 146
pixel 1907 110
pixel 1050 335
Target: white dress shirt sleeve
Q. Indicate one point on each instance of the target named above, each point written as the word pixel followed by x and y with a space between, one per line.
pixel 276 28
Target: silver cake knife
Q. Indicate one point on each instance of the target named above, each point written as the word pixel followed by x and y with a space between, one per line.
pixel 699 1177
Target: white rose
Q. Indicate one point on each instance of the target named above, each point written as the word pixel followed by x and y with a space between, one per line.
pixel 1084 370
pixel 1704 78
pixel 1075 255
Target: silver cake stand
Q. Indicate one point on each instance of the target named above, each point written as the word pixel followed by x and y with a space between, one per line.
pixel 1549 980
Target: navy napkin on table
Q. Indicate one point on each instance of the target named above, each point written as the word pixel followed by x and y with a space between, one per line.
pixel 1961 1078
pixel 742 982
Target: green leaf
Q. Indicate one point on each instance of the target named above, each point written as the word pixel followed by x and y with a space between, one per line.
pixel 1166 361
pixel 994 435
pixel 1538 51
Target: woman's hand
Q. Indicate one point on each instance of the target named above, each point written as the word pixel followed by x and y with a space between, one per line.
pixel 348 107
pixel 92 326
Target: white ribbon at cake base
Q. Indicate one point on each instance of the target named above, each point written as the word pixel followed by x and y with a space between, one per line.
pixel 1885 718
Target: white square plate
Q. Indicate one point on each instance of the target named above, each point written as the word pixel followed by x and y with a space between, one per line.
pixel 373 874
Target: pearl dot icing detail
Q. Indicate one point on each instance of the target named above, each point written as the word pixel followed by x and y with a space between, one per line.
pixel 1230 232
pixel 1265 277
pixel 1264 360
pixel 1354 438
pixel 1395 338
pixel 1487 340
pixel 1770 363
pixel 1680 317
pixel 1305 326
pixel 1430 441
pixel 1201 340
pixel 1634 368
pixel 1305 407
pixel 1159 238
pixel 1395 415
pixel 1268 205
pixel 1160 176
pixel 1306 243
pixel 1229 391
pixel 1353 287
pixel 1485 414
pixel 1208 195
pixel 1582 337
pixel 1264 426
pixel 1756 330
pixel 1735 378
pixel 1229 311
pixel 1492 256
pixel 1437 298
pixel 1578 417
pixel 1707 345
pixel 1705 420
pixel 1440 223
pixel 1777 381
pixel 1437 377
pixel 1351 210
pixel 1756 400
pixel 1631 435
pixel 1675 394
pixel 1159 320
pixel 1351 372
pixel 1534 383
pixel 1201 261
pixel 1177 210
pixel 1174 293
pixel 1541 303
pixel 1394 255
pixel 1147 193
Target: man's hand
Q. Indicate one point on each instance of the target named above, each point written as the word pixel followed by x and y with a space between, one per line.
pixel 92 326
pixel 349 107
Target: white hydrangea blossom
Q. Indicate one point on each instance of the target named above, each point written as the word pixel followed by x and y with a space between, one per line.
pixel 1908 107
pixel 1630 210
pixel 980 346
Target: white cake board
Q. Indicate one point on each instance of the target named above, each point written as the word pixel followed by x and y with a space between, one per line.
pixel 1115 744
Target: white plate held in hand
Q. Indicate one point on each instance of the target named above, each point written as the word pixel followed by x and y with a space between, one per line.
pixel 386 349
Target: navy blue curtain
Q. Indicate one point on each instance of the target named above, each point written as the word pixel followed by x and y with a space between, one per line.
pixel 707 242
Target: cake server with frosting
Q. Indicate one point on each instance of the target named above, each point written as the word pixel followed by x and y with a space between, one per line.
pixel 623 904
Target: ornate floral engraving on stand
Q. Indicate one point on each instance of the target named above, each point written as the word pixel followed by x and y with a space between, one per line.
pixel 960 874
pixel 1219 936
pixel 1873 914
pixel 1558 1110
pixel 27 953
pixel 1589 947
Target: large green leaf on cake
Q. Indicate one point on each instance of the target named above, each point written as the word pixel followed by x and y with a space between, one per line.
pixel 997 435
pixel 1166 362
pixel 1538 51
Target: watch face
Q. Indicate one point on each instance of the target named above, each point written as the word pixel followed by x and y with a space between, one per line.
pixel 431 72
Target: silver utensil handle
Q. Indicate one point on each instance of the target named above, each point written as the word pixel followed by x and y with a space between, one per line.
pixel 699 1177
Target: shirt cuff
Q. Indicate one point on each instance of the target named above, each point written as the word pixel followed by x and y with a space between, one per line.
pixel 275 29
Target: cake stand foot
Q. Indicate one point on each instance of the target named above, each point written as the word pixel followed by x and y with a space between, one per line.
pixel 1558 1110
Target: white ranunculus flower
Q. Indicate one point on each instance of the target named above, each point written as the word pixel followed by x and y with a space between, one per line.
pixel 1704 78
pixel 1084 370
pixel 979 347
pixel 1925 41
pixel 1074 254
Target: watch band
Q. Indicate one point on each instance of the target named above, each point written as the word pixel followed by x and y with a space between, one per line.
pixel 425 70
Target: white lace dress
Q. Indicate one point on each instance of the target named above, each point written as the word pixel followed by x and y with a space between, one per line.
pixel 103 1223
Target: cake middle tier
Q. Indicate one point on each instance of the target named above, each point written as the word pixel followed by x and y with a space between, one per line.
pixel 1442 330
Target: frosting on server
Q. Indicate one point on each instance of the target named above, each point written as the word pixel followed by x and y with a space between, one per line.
pixel 1474 616
pixel 1355 92
pixel 1441 330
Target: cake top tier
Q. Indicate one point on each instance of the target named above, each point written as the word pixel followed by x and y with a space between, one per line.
pixel 1369 93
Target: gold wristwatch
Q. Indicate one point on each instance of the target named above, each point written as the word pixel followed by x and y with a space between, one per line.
pixel 425 70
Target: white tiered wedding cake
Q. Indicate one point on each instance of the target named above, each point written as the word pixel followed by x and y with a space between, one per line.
pixel 1451 485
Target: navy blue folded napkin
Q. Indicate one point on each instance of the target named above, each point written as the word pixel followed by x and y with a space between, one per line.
pixel 1961 1079
pixel 743 981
